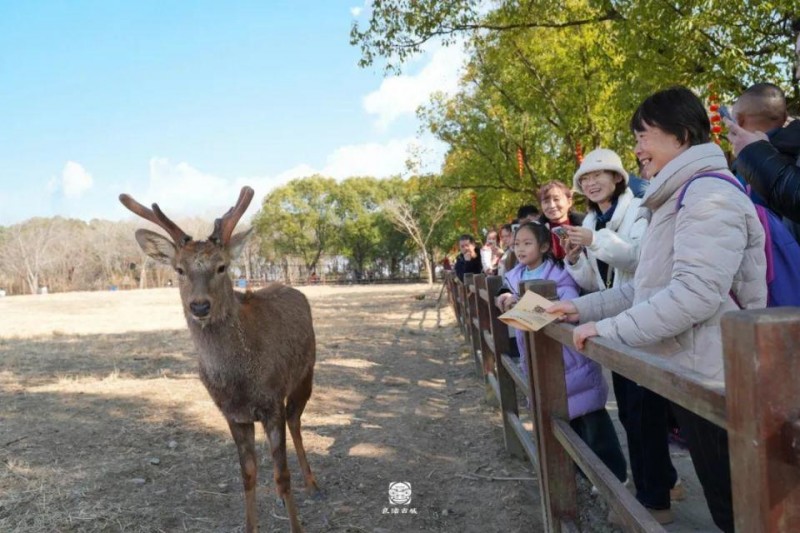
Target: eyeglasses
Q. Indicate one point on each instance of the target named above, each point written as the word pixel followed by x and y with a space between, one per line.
pixel 586 178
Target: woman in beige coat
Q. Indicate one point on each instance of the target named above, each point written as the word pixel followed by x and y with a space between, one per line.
pixel 691 260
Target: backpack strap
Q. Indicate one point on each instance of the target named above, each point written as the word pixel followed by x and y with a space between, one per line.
pixel 733 181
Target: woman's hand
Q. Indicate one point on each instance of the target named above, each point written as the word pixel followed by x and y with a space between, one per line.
pixel 573 252
pixel 567 308
pixel 505 301
pixel 740 137
pixel 580 236
pixel 583 332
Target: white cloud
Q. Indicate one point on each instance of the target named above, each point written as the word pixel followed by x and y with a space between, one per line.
pixel 75 180
pixel 376 159
pixel 356 11
pixel 182 190
pixel 403 94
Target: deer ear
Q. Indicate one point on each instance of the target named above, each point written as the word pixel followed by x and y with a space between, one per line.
pixel 237 242
pixel 156 246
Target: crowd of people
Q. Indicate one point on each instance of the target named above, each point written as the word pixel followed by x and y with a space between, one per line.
pixel 657 267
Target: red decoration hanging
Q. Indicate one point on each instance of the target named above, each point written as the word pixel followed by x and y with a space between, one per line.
pixel 521 161
pixel 713 108
pixel 579 153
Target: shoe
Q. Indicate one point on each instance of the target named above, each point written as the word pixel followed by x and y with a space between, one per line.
pixel 677 492
pixel 662 516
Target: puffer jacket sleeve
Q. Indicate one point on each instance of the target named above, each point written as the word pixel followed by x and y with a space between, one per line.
pixel 773 176
pixel 709 243
pixel 620 251
pixel 583 273
pixel 604 304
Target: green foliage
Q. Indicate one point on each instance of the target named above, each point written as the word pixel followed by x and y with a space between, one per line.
pixel 544 76
pixel 313 216
pixel 299 219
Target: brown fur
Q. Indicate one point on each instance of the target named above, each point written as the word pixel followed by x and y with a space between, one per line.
pixel 256 349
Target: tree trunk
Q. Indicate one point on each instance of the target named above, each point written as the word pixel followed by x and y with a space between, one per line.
pixel 428 267
pixel 143 275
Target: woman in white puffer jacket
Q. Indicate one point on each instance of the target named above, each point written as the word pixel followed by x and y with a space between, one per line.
pixel 604 251
pixel 601 254
pixel 701 258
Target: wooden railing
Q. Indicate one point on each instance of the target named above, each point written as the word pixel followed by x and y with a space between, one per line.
pixel 759 406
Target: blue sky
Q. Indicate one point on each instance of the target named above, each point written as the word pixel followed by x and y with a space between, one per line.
pixel 183 102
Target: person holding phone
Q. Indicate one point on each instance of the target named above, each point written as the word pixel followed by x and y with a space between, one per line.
pixel 601 254
pixel 767 150
pixel 697 262
pixel 469 260
pixel 604 250
pixel 556 201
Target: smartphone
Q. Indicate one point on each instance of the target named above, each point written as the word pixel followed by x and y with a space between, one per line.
pixel 724 112
pixel 560 232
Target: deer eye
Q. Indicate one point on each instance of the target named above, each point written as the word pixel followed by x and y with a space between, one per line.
pixel 221 269
pixel 180 271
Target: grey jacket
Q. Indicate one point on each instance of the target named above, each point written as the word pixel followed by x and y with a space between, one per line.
pixel 691 260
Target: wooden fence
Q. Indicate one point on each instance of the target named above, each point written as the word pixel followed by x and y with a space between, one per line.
pixel 759 406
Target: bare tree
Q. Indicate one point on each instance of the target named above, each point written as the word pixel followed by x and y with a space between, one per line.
pixel 28 250
pixel 419 220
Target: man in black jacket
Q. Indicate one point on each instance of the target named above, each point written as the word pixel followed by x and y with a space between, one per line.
pixel 468 261
pixel 768 160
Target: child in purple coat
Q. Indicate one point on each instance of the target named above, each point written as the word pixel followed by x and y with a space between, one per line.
pixel 587 390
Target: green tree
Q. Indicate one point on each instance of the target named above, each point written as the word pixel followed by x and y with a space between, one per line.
pixel 298 219
pixel 545 76
pixel 358 201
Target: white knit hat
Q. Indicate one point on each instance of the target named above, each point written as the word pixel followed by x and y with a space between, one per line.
pixel 599 159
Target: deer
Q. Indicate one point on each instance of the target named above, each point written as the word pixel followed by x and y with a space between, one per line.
pixel 256 350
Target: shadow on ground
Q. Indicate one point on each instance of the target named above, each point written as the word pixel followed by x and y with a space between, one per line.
pixel 116 433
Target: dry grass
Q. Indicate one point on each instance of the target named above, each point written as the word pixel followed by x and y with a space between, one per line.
pixel 104 425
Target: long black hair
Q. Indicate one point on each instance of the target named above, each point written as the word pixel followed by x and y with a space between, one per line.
pixel 542 235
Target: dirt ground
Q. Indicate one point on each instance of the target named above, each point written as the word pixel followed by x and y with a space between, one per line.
pixel 105 426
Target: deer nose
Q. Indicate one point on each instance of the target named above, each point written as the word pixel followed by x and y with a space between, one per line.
pixel 200 308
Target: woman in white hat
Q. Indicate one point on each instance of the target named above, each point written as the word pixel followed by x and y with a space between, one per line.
pixel 601 254
pixel 604 251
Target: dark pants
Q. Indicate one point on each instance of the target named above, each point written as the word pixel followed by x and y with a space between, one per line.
pixel 597 431
pixel 644 415
pixel 708 446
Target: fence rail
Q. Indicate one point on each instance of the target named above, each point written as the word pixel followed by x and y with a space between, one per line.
pixel 759 405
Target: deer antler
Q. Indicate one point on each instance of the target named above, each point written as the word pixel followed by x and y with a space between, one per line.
pixel 223 227
pixel 156 216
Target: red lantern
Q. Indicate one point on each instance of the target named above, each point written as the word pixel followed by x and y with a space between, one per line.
pixel 713 107
pixel 520 161
pixel 579 153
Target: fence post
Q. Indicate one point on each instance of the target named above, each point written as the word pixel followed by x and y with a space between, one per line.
pixel 549 400
pixel 508 389
pixel 763 400
pixel 473 338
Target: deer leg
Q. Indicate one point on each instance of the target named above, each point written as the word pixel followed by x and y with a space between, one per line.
pixel 244 436
pixel 275 428
pixel 295 404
